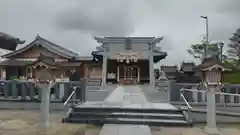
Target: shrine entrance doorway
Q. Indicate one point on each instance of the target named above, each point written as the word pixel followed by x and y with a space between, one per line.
pixel 128 74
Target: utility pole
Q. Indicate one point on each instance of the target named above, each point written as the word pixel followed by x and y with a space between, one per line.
pixel 207 36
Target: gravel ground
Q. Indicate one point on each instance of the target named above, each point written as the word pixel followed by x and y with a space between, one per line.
pixel 22 122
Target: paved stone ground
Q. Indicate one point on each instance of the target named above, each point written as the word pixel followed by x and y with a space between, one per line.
pixel 154 95
pixel 150 93
pixel 191 131
pixel 99 95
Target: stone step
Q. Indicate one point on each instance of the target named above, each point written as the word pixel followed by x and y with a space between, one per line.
pixel 93 87
pixel 126 115
pixel 122 109
pixel 136 121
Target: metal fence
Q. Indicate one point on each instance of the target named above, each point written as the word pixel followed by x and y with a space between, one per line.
pixel 14 90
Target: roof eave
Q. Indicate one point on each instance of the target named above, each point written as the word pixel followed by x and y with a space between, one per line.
pixel 159 57
pixel 19 50
pixel 215 66
pixel 32 44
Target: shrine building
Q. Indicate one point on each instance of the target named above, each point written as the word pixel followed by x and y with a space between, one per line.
pixel 23 63
pixel 128 60
pixel 125 60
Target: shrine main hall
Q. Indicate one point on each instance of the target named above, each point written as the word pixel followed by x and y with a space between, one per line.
pixel 128 60
pixel 125 60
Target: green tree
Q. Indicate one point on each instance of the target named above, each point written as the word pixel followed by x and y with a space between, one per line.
pixel 197 50
pixel 234 47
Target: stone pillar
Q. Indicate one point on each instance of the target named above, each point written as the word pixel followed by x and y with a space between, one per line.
pixel 203 97
pixel 118 73
pixel 138 74
pixel 3 74
pixel 151 70
pixel 195 94
pixel 211 127
pixel 104 70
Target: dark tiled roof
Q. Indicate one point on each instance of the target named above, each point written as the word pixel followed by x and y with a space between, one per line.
pixel 184 78
pixel 169 68
pixel 45 59
pixel 188 66
pixel 47 45
pixel 14 62
pixel 85 58
pixel 50 61
pixel 211 61
pixel 68 64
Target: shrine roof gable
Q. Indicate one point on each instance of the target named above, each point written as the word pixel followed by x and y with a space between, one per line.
pixel 39 41
pixel 212 62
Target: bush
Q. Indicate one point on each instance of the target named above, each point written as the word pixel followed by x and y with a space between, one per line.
pixel 232 77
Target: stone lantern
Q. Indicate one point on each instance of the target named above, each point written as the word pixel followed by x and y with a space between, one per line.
pixel 213 75
pixel 212 72
pixel 45 81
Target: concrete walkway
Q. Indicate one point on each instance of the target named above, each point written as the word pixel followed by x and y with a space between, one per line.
pixel 127 96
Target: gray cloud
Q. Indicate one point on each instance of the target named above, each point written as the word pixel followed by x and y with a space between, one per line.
pixel 113 18
pixel 73 24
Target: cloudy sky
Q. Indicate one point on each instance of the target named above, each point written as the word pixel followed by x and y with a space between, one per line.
pixel 74 23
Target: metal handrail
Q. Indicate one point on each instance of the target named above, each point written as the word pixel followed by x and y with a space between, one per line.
pixel 201 91
pixel 188 118
pixel 70 96
pixel 185 100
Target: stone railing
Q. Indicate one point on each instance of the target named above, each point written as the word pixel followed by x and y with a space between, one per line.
pixel 28 91
pixel 195 94
pixel 162 84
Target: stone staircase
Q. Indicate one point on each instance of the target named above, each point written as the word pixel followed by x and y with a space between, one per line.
pixel 117 115
pixel 94 84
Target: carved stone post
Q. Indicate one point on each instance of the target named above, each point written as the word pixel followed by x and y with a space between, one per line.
pixel 211 127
